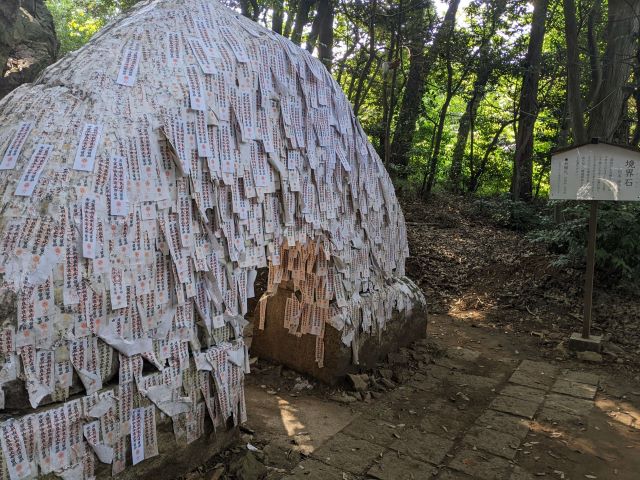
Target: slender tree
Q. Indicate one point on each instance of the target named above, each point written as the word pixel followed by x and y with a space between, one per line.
pixel 522 180
pixel 420 65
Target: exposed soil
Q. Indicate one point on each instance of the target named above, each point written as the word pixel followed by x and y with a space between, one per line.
pixel 471 269
pixel 496 303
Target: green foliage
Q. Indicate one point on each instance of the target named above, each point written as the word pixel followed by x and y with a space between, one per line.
pixel 508 213
pixel 77 21
pixel 617 244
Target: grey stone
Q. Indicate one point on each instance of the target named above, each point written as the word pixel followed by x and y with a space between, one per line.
pixel 521 474
pixel 393 466
pixel 481 465
pixel 358 382
pixel 574 389
pixel 503 422
pixel 452 475
pixel 581 377
pixel 516 406
pixel 540 375
pixel 492 441
pixel 347 453
pixel 588 356
pixel 524 393
pixel 423 446
pixel 372 430
pixel 247 467
pixel 578 343
pixel 563 408
pixel 472 381
pixel 312 469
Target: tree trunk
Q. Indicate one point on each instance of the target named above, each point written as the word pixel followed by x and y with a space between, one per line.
pixel 593 48
pixel 419 68
pixel 28 43
pixel 326 13
pixel 364 73
pixel 474 177
pixel 574 94
pixel 277 17
pixel 485 69
pixel 521 184
pixel 619 55
pixel 292 8
pixel 302 18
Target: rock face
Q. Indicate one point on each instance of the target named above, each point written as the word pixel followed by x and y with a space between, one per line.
pixel 28 42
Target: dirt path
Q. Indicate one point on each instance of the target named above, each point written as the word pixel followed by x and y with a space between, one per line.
pixel 487 407
pixel 492 394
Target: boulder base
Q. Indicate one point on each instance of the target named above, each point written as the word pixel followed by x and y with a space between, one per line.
pixel 276 344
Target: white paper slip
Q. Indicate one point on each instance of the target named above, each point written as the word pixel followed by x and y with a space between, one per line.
pixel 32 173
pixel 129 66
pixel 119 194
pixel 87 148
pixel 15 147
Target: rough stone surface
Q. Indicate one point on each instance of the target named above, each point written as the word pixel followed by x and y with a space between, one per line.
pixel 379 432
pixel 481 465
pixel 393 466
pixel 589 356
pixel 312 469
pixel 534 374
pixel 298 352
pixel 523 393
pixel 575 389
pixel 492 441
pixel 27 42
pixel 581 377
pixel 349 454
pixel 563 408
pixel 515 406
pixel 502 422
pixel 423 446
pixel 247 467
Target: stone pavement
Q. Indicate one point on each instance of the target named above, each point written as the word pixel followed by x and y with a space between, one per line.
pixel 447 423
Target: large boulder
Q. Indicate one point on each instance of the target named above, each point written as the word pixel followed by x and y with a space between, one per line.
pixel 28 42
pixel 145 180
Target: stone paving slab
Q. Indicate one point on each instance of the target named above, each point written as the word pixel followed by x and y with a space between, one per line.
pixel 372 430
pixel 515 406
pixel 393 466
pixel 504 422
pixel 423 446
pixel 521 474
pixel 563 408
pixel 540 375
pixel 492 441
pixel 311 469
pixel 575 389
pixel 444 419
pixel 475 382
pixel 524 393
pixel 581 377
pixel 347 453
pixel 481 465
pixel 447 474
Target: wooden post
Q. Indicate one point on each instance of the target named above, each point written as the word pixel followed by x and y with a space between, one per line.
pixel 591 263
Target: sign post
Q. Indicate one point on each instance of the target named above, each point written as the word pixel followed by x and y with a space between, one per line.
pixel 594 172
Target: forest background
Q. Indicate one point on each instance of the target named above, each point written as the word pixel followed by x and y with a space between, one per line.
pixel 470 97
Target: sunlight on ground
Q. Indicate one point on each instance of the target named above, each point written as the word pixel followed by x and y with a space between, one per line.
pixel 621 412
pixel 571 441
pixel 467 315
pixel 294 427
